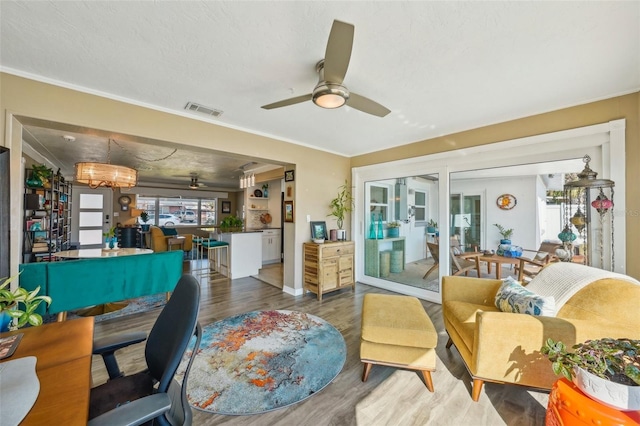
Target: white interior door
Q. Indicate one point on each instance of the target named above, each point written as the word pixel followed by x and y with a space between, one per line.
pixel 92 212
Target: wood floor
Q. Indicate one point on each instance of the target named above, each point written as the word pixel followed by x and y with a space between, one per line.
pixel 389 397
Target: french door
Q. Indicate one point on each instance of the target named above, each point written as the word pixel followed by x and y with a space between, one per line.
pixel 93 214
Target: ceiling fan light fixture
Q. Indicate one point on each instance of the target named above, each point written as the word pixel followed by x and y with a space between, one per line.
pixel 330 96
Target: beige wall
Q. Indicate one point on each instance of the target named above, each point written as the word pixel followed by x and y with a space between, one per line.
pixel 318 174
pixel 627 107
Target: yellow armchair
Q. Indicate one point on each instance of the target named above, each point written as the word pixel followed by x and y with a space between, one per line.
pixel 159 239
pixel 505 347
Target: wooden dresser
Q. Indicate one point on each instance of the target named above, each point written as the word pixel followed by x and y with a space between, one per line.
pixel 328 267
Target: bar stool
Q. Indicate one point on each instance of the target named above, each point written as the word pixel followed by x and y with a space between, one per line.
pixel 196 241
pixel 214 255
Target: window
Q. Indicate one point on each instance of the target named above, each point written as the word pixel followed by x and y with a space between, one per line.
pixel 420 207
pixel 379 201
pixel 178 211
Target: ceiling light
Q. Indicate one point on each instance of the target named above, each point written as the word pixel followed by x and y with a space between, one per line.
pixel 108 175
pixel 328 95
pixel 247 180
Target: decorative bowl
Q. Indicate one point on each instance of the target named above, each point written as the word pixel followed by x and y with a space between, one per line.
pixel 318 240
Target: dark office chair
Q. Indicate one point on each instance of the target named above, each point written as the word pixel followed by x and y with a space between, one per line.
pixel 133 400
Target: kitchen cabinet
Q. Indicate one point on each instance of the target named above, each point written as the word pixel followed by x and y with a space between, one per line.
pixel 328 267
pixel 270 246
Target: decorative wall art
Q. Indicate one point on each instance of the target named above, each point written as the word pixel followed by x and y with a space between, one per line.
pixel 226 207
pixel 289 176
pixel 288 211
pixel 506 201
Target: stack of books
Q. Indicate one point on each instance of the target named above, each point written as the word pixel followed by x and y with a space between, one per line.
pixel 40 247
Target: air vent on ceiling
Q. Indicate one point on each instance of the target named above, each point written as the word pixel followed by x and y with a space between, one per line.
pixel 192 106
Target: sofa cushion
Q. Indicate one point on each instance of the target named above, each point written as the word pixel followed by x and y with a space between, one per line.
pixel 513 297
pixel 169 231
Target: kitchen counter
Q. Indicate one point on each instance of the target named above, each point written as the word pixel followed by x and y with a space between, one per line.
pixel 245 252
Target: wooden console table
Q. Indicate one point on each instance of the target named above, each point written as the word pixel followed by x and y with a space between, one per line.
pixel 328 267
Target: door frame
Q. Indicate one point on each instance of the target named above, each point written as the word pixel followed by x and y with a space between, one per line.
pixel 604 142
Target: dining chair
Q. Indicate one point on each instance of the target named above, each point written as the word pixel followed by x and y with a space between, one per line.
pixel 152 394
pixel 460 264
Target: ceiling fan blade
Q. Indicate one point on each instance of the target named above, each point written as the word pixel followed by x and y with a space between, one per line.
pixel 366 105
pixel 287 102
pixel 338 53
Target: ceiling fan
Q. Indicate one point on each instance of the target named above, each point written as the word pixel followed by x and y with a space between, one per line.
pixel 330 92
pixel 194 182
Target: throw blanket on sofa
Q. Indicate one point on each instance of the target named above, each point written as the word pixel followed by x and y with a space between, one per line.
pixel 563 280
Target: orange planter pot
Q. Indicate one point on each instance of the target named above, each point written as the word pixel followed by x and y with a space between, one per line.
pixel 569 406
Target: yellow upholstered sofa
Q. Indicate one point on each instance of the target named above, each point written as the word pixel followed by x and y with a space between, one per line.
pixel 159 239
pixel 504 347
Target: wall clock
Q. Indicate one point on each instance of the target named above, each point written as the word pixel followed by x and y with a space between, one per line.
pixel 124 202
pixel 506 201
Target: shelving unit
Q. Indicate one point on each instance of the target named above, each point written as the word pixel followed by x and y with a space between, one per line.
pixel 47 220
pixel 260 203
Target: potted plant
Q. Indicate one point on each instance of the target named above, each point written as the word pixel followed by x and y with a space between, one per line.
pixel 110 238
pixel 393 229
pixel 40 175
pixel 144 217
pixel 607 370
pixel 231 224
pixel 506 233
pixel 11 303
pixel 340 206
pixel 432 226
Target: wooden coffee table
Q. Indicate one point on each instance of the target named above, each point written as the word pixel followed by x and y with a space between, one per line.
pixel 499 261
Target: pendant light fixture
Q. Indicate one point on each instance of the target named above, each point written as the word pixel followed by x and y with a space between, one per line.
pixel 579 192
pixel 247 180
pixel 106 174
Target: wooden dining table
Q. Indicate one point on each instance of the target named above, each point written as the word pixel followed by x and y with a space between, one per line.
pixel 499 261
pixel 63 351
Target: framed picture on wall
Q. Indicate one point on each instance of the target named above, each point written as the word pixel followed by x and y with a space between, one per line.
pixel 289 176
pixel 319 231
pixel 288 211
pixel 226 207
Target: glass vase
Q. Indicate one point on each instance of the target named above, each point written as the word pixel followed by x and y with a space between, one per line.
pixel 380 230
pixel 372 227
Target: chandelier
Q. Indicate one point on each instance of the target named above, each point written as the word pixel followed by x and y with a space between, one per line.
pixel 596 235
pixel 106 174
pixel 247 180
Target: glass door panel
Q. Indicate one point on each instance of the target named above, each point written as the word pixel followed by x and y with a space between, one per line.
pixel 395 235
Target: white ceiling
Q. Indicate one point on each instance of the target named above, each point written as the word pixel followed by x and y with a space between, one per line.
pixel 440 67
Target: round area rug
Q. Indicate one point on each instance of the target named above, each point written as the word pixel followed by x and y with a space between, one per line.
pixel 261 361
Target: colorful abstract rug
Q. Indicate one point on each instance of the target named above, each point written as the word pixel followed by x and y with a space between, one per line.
pixel 261 361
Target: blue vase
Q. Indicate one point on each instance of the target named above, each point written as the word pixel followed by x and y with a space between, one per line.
pixel 112 242
pixel 380 235
pixel 372 227
pixel 5 320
